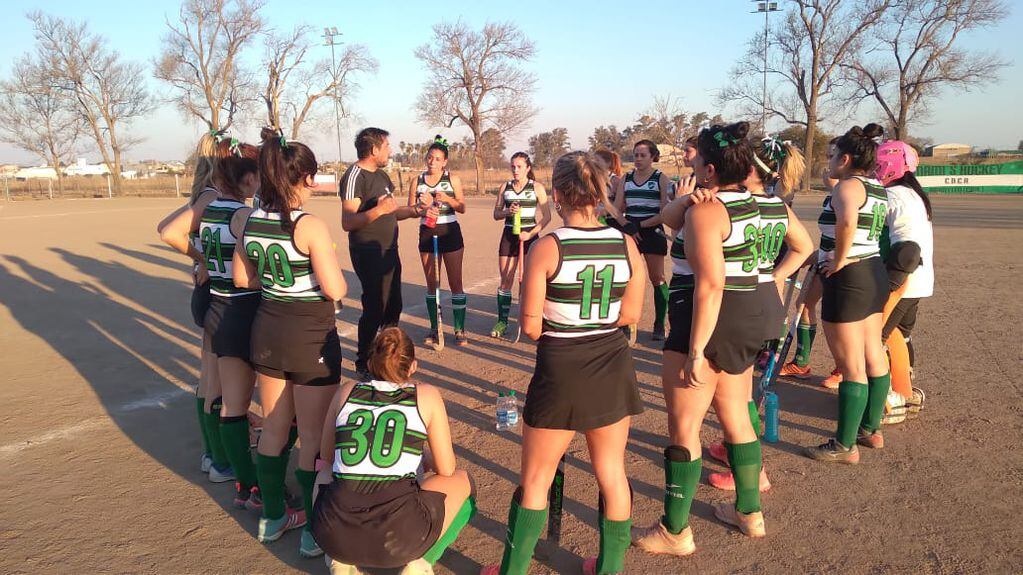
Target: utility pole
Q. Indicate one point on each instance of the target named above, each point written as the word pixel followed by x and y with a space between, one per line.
pixel 330 36
pixel 766 8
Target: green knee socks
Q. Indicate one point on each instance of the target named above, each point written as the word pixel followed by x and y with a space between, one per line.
pixel 660 303
pixel 458 305
pixel 306 481
pixel 681 476
pixel 524 529
pixel 431 309
pixel 271 471
pixel 504 299
pixel 217 451
pixel 852 402
pixel 754 416
pixel 615 537
pixel 745 460
pixel 465 514
pixel 200 410
pixel 234 434
pixel 805 333
pixel 877 393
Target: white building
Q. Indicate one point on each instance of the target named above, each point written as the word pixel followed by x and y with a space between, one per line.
pixel 83 168
pixel 38 172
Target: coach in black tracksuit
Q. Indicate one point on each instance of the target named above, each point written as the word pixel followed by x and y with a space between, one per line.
pixel 370 215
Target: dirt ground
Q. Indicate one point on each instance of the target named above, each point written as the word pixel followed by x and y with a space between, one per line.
pixel 99 451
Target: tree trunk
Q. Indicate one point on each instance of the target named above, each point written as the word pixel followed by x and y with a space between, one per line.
pixel 115 173
pixel 808 142
pixel 477 156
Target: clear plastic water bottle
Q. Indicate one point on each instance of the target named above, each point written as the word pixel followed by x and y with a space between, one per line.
pixel 770 417
pixel 507 411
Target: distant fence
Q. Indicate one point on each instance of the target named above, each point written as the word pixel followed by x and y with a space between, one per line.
pixel 1005 178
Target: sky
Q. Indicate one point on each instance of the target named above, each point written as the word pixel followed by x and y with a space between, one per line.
pixel 597 63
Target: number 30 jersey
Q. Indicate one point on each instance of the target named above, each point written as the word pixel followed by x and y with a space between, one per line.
pixel 378 436
pixel 285 272
pixel 585 295
pixel 217 244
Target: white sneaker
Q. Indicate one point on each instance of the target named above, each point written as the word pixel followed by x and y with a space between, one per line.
pixel 205 462
pixel 217 476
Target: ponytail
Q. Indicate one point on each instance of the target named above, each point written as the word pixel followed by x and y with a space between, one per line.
pixel 909 180
pixel 205 163
pixel 391 355
pixel 283 167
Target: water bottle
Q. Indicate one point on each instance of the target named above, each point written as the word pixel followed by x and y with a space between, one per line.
pixel 507 412
pixel 431 221
pixel 517 222
pixel 770 417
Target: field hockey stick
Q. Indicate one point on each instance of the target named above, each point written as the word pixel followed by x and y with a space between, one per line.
pixel 522 256
pixel 769 378
pixel 555 506
pixel 772 349
pixel 436 294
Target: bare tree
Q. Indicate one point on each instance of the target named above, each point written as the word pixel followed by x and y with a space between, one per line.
pixel 806 56
pixel 668 123
pixel 37 116
pixel 474 79
pixel 106 89
pixel 200 58
pixel 918 53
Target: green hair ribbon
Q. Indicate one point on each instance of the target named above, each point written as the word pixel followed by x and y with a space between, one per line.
pixel 724 140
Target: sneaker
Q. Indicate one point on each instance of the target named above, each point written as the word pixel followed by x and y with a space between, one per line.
pixel 725 481
pixel 241 496
pixel 833 452
pixel 460 339
pixel 657 539
pixel 432 340
pixel 717 451
pixel 418 567
pixel 205 462
pixel 307 546
pixel 751 524
pixel 658 333
pixel 339 568
pixel 832 381
pixel 790 369
pixel 590 566
pixel 270 530
pixel 873 440
pixel 499 329
pixel 915 403
pixel 255 500
pixel 221 475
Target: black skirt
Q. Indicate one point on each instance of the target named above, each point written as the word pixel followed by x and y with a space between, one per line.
pixel 200 302
pixel 449 238
pixel 651 240
pixel 582 383
pixel 773 310
pixel 737 337
pixel 295 336
pixel 856 292
pixel 228 324
pixel 386 529
pixel 509 245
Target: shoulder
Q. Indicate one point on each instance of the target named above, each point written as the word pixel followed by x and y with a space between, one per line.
pixel 428 393
pixel 310 223
pixel 538 188
pixel 455 180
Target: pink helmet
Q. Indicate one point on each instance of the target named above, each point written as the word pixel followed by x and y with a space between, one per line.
pixel 894 159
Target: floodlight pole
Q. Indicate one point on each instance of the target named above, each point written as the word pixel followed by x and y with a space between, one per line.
pixel 766 8
pixel 330 39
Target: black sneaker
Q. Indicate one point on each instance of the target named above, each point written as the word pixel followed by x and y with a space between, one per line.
pixel 658 333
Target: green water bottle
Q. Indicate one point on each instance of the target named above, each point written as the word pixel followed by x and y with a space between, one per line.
pixel 517 222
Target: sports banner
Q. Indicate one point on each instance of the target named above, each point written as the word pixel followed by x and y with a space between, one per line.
pixel 1004 178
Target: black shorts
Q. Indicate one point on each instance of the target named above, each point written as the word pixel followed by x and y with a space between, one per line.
pixel 509 246
pixel 582 383
pixel 385 529
pixel 903 317
pixel 297 341
pixel 738 335
pixel 449 238
pixel 856 292
pixel 200 302
pixel 772 308
pixel 652 240
pixel 228 325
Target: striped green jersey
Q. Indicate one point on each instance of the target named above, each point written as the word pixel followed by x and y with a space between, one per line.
pixel 218 246
pixel 585 295
pixel 447 214
pixel 378 436
pixel 527 204
pixel 774 224
pixel 740 247
pixel 642 201
pixel 194 236
pixel 285 272
pixel 869 223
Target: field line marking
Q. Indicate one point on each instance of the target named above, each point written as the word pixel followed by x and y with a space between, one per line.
pixel 35 216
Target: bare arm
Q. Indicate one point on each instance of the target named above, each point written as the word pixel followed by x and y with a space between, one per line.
pixel 313 237
pixel 499 212
pixel 540 263
pixel 206 196
pixel 243 273
pixel 175 232
pixel 327 440
pixel 457 202
pixel 704 230
pixel 543 204
pixel 438 430
pixel 800 247
pixel 845 200
pixel 632 300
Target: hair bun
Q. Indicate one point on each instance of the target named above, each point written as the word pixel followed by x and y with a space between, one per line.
pixel 738 130
pixel 873 130
pixel 266 133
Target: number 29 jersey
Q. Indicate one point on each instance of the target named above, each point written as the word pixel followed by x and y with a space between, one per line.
pixel 286 273
pixel 584 297
pixel 378 436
